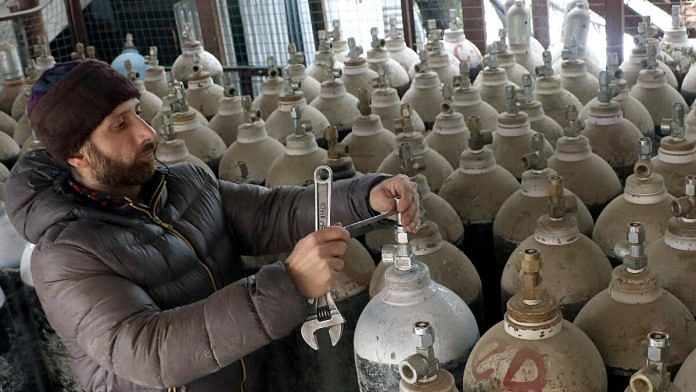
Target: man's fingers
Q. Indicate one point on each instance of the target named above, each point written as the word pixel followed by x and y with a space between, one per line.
pixel 336 264
pixel 332 233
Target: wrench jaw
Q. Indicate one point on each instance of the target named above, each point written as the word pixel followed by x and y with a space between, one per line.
pixel 312 325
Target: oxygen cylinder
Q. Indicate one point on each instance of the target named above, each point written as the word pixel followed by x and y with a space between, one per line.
pixel 183 64
pixel 302 155
pixel 409 296
pixel 685 378
pixel 253 149
pixel 549 92
pixel 230 113
pixel 644 198
pixel 378 56
pixel 611 136
pixel 155 75
pixel 387 105
pixel 19 106
pixel 672 256
pixel 519 26
pixel 538 120
pixel 267 101
pixel 494 81
pixel 586 174
pixel 322 69
pixel 633 305
pixel 356 73
pixel 12 75
pixel 309 86
pixel 368 143
pixel 280 123
pixel 449 136
pixel 202 94
pixel 334 102
pixel 436 166
pixel 467 100
pixel 461 48
pixel 574 75
pixel 439 60
pixel 517 218
pixel 339 46
pixel 425 93
pixel 150 104
pixel 512 138
pixel 476 190
pixel 129 53
pixel 576 268
pixel 507 61
pixel 632 109
pixel 396 45
pixel 534 346
pixel 171 150
pixel 632 66
pixel 4 175
pixel 676 157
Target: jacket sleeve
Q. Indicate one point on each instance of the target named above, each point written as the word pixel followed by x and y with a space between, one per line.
pixel 270 221
pixel 118 325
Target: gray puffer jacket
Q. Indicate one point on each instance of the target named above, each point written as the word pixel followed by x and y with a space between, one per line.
pixel 150 296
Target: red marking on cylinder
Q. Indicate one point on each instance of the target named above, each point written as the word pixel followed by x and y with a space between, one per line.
pixel 485 374
pixel 518 360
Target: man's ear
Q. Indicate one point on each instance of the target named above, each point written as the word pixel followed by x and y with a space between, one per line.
pixel 79 159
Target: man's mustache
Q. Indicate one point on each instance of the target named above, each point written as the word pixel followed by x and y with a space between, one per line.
pixel 148 147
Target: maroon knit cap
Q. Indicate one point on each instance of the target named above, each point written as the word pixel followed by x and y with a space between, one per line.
pixel 69 101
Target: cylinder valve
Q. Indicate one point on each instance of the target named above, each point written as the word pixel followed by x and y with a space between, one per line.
pixel 423 366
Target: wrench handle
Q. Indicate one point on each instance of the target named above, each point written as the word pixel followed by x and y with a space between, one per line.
pixel 322 197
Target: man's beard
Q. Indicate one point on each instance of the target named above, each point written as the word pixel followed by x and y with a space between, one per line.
pixel 114 172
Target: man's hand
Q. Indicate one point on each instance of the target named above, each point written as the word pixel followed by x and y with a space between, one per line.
pixel 382 200
pixel 316 259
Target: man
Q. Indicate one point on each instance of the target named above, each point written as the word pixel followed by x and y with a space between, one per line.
pixel 138 268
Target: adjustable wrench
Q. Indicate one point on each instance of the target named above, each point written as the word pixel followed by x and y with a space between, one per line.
pixel 325 314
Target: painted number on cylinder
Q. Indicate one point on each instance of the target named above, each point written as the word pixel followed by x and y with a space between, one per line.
pixel 525 363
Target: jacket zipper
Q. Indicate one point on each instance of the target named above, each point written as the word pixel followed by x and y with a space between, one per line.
pixel 159 222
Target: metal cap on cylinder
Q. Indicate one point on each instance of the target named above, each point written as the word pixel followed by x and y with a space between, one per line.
pixel 635 259
pixel 536 159
pixel 574 125
pixel 685 206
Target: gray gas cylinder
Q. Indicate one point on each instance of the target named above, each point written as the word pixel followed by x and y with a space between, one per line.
pixel 494 80
pixel 634 304
pixel 551 94
pixel 468 102
pixel 538 120
pixel 425 93
pixel 309 86
pixel 356 73
pixel 280 123
pixel 396 45
pixel 339 46
pixel 229 115
pixel 171 150
pixel 7 124
pixel 174 102
pixel 676 157
pixel 420 372
pixel 611 136
pixel 322 69
pixel 19 106
pixel 369 142
pixel 517 218
pixel 576 27
pixel 409 296
pixel 387 105
pixel 449 136
pixel 150 103
pixel 202 93
pixel 645 198
pixel 654 376
pixel 652 90
pixel 476 191
pixel 534 346
pixel 440 61
pixel 632 66
pixel 513 137
pixel 253 147
pixel 436 166
pixel 575 268
pixel 11 243
pixel 267 100
pixel 191 47
pixel 686 377
pixel 673 256
pixel 155 75
pixel 334 102
pixel 378 57
pixel 4 175
pixel 519 26
pixel 9 150
pixel 575 78
pixel 13 76
pixel 632 109
pixel 302 155
pixel 459 47
pixel 585 173
pixel 507 61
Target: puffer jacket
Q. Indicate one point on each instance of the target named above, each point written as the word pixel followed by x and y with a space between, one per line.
pixel 150 296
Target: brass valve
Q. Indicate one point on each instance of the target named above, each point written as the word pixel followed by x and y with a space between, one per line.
pixel 654 376
pixel 643 168
pixel 335 150
pixel 559 204
pixel 532 292
pixel 364 101
pixel 574 125
pixel 674 126
pixel 478 138
pixel 546 70
pixel 511 100
pixel 535 160
pixel 685 206
pixel 423 366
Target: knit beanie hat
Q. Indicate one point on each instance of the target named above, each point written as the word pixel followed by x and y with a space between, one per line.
pixel 70 100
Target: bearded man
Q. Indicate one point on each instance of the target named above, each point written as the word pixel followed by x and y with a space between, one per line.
pixel 138 267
